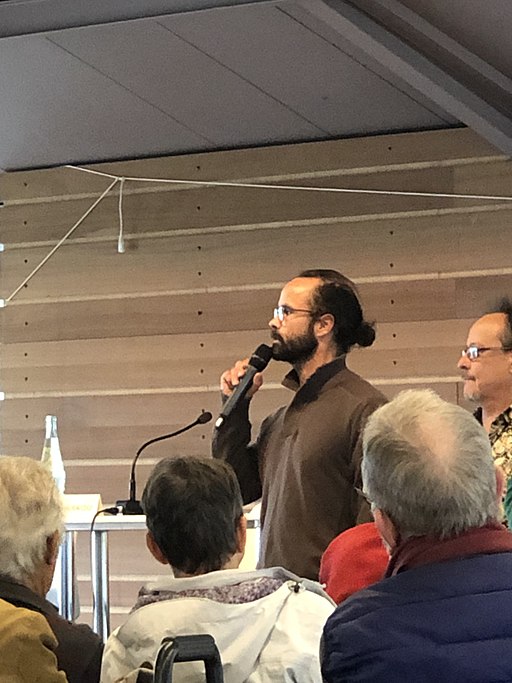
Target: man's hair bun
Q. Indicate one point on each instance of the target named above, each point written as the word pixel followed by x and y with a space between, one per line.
pixel 365 334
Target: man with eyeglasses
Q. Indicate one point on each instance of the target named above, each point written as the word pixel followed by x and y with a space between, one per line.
pixel 486 366
pixel 305 462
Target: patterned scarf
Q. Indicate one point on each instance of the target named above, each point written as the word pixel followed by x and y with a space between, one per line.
pixel 238 593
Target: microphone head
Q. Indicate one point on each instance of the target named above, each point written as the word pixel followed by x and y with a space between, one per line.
pixel 204 418
pixel 261 357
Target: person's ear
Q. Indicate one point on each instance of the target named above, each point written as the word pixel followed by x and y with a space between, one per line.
pixel 52 548
pixel 154 549
pixel 241 535
pixel 387 530
pixel 324 324
pixel 241 538
pixel 500 483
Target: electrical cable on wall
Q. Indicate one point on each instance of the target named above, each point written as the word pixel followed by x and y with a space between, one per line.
pixel 300 188
pixel 218 183
pixel 62 240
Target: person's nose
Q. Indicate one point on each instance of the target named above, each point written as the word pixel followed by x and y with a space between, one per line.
pixel 463 362
pixel 274 323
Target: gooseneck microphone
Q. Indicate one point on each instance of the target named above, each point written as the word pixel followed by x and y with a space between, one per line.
pixel 257 363
pixel 132 505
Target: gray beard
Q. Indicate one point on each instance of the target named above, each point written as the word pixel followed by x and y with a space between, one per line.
pixel 473 397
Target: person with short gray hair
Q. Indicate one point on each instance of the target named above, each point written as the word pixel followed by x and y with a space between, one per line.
pixel 429 466
pixel 31 528
pixel 442 612
pixel 32 517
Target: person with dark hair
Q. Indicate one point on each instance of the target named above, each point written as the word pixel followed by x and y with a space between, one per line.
pixel 266 623
pixel 486 367
pixel 442 612
pixel 305 462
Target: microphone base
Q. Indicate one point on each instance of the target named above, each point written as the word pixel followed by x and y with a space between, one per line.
pixel 130 507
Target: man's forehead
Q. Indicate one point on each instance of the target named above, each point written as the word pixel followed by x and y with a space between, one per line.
pixel 489 326
pixel 299 288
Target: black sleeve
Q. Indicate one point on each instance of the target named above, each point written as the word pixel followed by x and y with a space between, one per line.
pixel 79 651
pixel 231 442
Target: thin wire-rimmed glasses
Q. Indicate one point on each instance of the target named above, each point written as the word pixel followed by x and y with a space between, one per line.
pixel 472 352
pixel 282 312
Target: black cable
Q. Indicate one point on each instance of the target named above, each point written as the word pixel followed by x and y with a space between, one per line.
pixel 202 419
pixel 106 511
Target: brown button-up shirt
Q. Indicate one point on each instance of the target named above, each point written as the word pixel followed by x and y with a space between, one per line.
pixel 304 464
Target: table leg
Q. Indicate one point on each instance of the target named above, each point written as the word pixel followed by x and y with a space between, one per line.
pixel 67 599
pixel 100 591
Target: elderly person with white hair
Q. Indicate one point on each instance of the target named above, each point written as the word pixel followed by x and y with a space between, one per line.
pixel 31 527
pixel 444 610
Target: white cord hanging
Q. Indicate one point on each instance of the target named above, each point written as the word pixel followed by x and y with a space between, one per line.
pixel 120 240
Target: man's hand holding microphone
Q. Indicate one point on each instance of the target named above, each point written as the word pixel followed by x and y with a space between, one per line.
pixel 243 380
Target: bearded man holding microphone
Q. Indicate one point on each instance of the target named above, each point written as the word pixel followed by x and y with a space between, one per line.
pixel 305 461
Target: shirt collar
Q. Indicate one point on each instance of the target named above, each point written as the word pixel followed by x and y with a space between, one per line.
pixel 17 593
pixel 503 419
pixel 318 379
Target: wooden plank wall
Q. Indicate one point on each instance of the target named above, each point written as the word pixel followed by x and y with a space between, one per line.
pixel 124 347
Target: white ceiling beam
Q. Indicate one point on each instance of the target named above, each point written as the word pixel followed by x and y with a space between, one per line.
pixel 415 69
pixel 445 42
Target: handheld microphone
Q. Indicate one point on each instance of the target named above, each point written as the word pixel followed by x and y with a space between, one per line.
pixel 132 505
pixel 257 363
